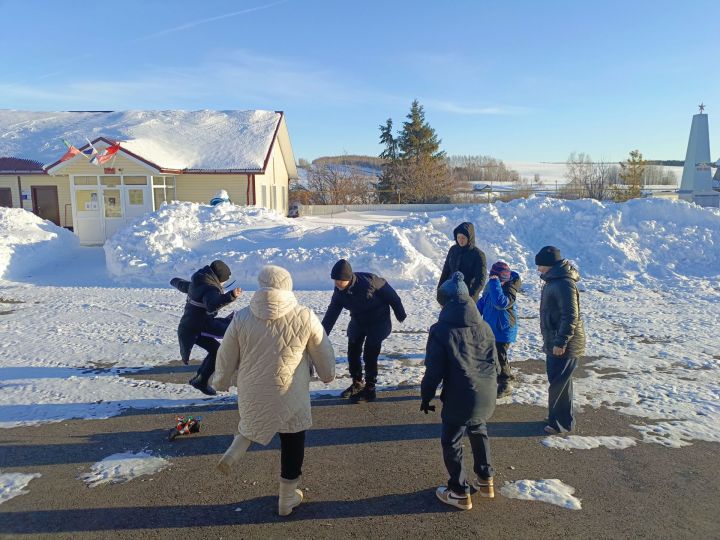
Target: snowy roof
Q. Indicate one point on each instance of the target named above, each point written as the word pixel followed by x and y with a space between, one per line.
pixel 180 140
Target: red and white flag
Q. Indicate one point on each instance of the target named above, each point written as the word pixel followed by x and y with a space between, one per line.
pixel 71 152
pixel 107 154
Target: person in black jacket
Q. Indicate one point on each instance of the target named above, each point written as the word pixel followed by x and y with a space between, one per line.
pixel 368 298
pixel 467 258
pixel 199 324
pixel 563 334
pixel 461 354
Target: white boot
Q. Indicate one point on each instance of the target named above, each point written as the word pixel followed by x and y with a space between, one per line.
pixel 233 454
pixel 290 496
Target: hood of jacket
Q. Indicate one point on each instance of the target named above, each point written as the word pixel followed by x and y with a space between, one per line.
pixel 467 229
pixel 562 270
pixel 460 313
pixel 269 304
pixel 206 276
pixel 274 298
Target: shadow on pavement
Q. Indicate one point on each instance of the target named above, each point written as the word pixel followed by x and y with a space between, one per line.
pixel 253 511
pixel 99 446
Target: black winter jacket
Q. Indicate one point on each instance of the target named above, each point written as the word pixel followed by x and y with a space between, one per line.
pixel 560 321
pixel 368 298
pixel 461 354
pixel 206 297
pixel 470 260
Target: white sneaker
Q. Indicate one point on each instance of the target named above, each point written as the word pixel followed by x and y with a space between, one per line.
pixel 446 495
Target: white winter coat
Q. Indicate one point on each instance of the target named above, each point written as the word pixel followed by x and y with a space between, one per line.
pixel 272 344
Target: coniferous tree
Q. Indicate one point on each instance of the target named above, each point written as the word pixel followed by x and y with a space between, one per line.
pixel 386 186
pixel 632 172
pixel 417 139
pixel 415 168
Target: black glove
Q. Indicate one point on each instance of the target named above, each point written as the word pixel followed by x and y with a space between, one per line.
pixel 401 318
pixel 426 407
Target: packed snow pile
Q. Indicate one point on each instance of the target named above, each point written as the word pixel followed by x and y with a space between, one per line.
pixel 644 240
pixel 551 491
pixel 577 442
pixel 14 484
pixel 27 242
pixel 119 468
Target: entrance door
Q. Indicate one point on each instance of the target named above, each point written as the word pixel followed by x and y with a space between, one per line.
pixel 6 197
pixel 45 203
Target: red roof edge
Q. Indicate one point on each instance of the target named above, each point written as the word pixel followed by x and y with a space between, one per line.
pixel 272 143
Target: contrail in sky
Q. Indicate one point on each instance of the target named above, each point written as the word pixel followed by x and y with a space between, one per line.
pixel 156 34
pixel 204 21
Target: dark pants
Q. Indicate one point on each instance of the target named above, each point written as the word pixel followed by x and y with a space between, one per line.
pixel 505 374
pixel 451 440
pixel 370 356
pixel 292 454
pixel 207 368
pixel 560 393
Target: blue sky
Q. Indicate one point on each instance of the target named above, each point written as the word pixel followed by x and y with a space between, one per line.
pixel 521 81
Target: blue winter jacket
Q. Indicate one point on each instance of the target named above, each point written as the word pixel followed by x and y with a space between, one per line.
pixel 497 305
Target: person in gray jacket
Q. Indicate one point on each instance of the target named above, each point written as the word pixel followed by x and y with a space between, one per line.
pixel 563 334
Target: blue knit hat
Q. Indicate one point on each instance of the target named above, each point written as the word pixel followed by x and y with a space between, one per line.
pixel 453 289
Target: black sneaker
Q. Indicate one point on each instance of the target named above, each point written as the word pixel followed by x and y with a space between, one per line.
pixel 197 383
pixel 355 388
pixel 366 394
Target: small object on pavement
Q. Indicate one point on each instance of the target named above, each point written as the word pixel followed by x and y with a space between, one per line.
pixel 185 425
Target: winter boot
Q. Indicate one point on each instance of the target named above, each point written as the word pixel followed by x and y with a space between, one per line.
pixel 366 394
pixel 504 389
pixel 353 389
pixel 233 454
pixel 197 383
pixel 290 496
pixel 485 487
pixel 446 495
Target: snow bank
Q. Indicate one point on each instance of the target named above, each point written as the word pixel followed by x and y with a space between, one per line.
pixel 551 491
pixel 119 468
pixel 643 240
pixel 28 242
pixel 14 484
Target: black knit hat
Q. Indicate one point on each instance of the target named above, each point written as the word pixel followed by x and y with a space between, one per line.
pixel 453 289
pixel 548 256
pixel 221 270
pixel 342 271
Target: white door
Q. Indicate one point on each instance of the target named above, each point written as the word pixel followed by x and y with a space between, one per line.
pixel 88 222
pixel 137 202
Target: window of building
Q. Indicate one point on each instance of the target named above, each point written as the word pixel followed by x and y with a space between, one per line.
pixel 163 190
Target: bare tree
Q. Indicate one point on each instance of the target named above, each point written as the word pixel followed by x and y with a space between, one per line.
pixel 340 184
pixel 587 178
pixel 657 175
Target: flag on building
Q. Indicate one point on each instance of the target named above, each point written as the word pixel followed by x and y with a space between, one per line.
pixel 90 150
pixel 71 152
pixel 107 154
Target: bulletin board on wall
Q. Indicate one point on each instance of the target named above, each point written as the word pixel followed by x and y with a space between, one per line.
pixel 86 200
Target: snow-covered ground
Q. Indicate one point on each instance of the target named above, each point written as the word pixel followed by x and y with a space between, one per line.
pixel 73 320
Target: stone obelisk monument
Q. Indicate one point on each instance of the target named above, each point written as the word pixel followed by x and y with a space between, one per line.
pixel 696 183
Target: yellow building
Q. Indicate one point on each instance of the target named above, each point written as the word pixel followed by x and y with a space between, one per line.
pixel 163 156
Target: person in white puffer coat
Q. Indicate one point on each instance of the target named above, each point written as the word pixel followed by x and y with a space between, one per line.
pixel 272 345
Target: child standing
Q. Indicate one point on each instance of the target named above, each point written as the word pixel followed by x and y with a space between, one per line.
pixel 497 305
pixel 461 354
